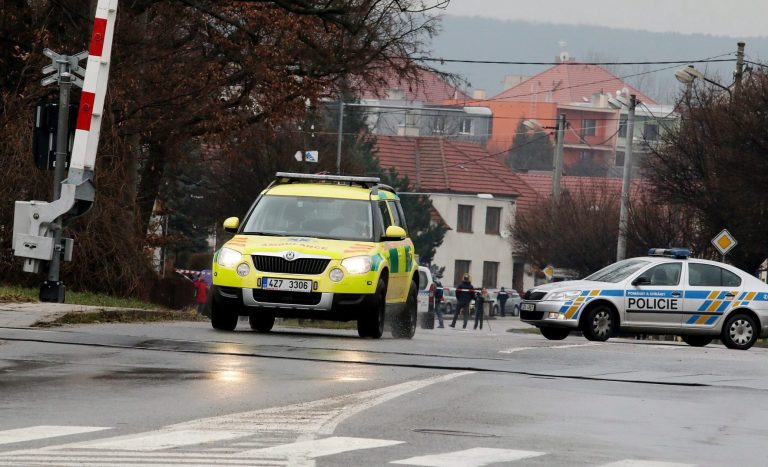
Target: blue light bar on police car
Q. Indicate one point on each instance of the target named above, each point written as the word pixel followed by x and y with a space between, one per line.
pixel 679 253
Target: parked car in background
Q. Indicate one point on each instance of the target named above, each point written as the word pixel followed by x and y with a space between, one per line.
pixel 512 307
pixel 449 300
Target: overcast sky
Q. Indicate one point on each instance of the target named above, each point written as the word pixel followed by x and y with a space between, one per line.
pixel 734 18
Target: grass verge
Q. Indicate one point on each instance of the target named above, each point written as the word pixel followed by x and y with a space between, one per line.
pixel 15 294
pixel 123 316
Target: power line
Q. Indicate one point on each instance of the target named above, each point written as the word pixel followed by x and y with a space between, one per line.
pixel 504 62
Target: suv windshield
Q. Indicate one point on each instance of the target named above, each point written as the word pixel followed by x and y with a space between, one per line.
pixel 301 216
pixel 617 271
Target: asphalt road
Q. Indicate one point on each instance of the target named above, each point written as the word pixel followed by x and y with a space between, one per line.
pixel 184 394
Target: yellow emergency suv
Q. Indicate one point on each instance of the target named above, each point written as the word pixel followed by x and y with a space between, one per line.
pixel 319 247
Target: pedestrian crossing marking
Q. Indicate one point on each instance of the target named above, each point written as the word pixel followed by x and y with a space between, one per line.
pixel 644 463
pixel 164 440
pixel 320 447
pixel 475 457
pixel 20 435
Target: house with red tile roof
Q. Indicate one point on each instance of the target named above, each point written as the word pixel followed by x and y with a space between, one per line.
pixel 474 194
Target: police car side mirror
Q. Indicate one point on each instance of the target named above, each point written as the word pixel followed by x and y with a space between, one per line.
pixel 642 280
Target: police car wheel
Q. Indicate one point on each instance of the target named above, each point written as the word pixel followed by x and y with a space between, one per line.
pixel 261 322
pixel 404 326
pixel 555 334
pixel 371 321
pixel 222 318
pixel 739 332
pixel 599 324
pixel 697 341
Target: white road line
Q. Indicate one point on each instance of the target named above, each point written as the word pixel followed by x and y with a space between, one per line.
pixel 59 460
pixel 643 463
pixel 19 435
pixel 167 440
pixel 566 346
pixel 319 448
pixel 291 424
pixel 475 457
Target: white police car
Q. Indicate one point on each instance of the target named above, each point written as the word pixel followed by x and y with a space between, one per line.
pixel 665 292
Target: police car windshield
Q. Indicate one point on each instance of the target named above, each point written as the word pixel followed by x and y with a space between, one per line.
pixel 300 216
pixel 617 272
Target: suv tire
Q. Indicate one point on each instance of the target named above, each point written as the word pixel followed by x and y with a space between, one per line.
pixel 371 320
pixel 554 334
pixel 697 341
pixel 261 321
pixel 221 318
pixel 404 326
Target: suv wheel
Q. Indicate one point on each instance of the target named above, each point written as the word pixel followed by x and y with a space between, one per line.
pixel 261 322
pixel 740 332
pixel 221 318
pixel 599 323
pixel 371 320
pixel 404 326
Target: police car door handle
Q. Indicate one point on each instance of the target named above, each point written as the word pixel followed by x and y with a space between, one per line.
pixel 730 295
pixel 675 294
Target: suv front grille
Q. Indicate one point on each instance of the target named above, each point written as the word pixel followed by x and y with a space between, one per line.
pixel 283 266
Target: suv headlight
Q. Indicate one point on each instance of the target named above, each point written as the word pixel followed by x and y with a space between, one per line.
pixel 228 257
pixel 567 295
pixel 357 264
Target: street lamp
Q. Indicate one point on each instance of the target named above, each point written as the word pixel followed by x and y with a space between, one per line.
pixel 536 126
pixel 687 75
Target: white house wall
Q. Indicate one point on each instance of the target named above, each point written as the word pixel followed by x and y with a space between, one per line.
pixel 477 246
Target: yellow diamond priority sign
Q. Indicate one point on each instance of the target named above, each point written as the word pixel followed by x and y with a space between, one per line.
pixel 724 242
pixel 549 272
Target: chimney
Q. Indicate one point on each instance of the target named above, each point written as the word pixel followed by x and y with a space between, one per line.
pixel 479 95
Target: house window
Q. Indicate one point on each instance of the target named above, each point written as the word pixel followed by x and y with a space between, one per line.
pixel 440 125
pixel 586 156
pixel 465 126
pixel 492 221
pixel 461 267
pixel 410 119
pixel 464 223
pixel 588 127
pixel 623 127
pixel 619 159
pixel 490 274
pixel 651 132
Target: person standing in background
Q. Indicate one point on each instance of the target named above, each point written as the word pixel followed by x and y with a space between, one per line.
pixel 480 299
pixel 464 293
pixel 502 297
pixel 201 293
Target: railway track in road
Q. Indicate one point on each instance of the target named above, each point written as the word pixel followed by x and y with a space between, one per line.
pixel 383 358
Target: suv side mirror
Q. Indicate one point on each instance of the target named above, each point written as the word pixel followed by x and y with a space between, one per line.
pixel 642 280
pixel 231 224
pixel 394 233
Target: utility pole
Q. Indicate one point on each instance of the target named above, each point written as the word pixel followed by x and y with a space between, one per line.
pixel 739 72
pixel 341 133
pixel 558 159
pixel 621 249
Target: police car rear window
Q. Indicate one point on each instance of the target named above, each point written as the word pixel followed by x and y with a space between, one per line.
pixel 705 275
pixel 617 272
